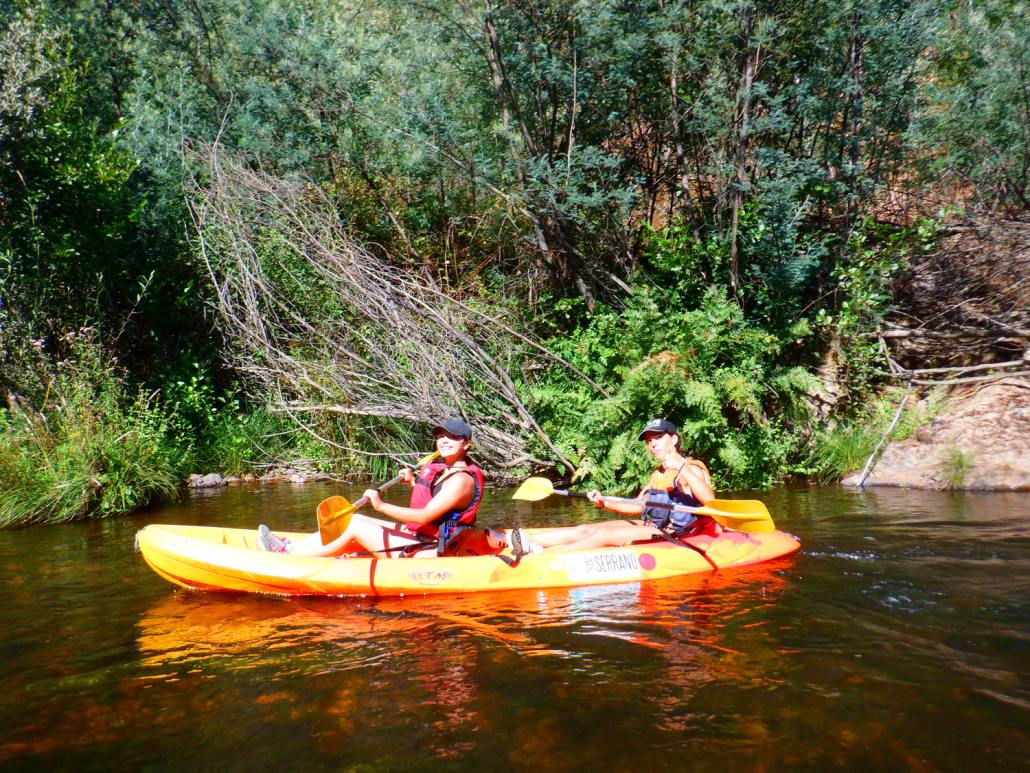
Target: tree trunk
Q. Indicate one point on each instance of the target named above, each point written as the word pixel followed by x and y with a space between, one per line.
pixel 681 187
pixel 742 120
pixel 552 232
pixel 857 122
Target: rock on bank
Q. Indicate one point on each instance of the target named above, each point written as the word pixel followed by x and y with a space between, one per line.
pixel 981 443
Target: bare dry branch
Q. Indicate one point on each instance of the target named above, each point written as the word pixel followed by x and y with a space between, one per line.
pixel 966 305
pixel 322 327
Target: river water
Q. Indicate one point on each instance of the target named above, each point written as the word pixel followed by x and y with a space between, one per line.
pixel 897 639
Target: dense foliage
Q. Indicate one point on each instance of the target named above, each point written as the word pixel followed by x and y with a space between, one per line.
pixel 693 205
pixel 719 377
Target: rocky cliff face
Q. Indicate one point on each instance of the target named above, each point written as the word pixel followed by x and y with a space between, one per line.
pixel 981 442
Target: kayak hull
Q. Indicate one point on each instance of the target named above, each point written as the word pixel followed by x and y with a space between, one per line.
pixel 221 559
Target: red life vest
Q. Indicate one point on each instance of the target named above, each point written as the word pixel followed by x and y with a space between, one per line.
pixel 423 491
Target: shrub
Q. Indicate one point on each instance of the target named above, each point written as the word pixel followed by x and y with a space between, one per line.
pixel 90 450
pixel 955 465
pixel 843 448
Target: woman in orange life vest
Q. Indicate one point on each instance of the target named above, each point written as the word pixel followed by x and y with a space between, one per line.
pixel 444 500
pixel 678 480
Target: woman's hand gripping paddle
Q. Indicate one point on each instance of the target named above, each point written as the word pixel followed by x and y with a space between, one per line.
pixel 334 513
pixel 738 514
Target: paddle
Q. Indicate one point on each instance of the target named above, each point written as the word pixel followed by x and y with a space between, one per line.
pixel 331 510
pixel 739 514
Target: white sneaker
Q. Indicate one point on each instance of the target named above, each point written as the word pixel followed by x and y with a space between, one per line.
pixel 270 542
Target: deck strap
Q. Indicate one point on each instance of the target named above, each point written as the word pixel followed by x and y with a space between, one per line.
pixel 399 549
pixel 703 553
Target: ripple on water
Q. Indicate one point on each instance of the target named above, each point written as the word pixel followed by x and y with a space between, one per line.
pixel 847 555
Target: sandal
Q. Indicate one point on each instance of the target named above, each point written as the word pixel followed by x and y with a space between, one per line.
pixel 520 544
pixel 515 543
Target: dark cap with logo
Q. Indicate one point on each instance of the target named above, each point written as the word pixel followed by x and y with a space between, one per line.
pixel 658 426
pixel 455 427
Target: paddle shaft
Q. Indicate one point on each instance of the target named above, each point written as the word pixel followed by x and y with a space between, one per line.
pixel 355 505
pixel 337 509
pixel 364 500
pixel 626 500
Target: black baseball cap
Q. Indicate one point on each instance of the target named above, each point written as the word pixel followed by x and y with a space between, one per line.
pixel 455 427
pixel 658 425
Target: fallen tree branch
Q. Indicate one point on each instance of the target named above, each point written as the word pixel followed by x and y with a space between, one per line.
pixel 970 379
pixel 960 368
pixel 867 470
pixel 345 342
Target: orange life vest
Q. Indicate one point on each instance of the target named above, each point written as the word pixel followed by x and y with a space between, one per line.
pixel 662 490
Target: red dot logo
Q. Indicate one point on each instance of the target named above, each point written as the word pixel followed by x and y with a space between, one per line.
pixel 647 562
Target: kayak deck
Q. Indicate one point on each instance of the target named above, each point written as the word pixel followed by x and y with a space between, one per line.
pixel 222 559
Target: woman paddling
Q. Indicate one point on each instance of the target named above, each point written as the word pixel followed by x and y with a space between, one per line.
pixel 445 498
pixel 679 480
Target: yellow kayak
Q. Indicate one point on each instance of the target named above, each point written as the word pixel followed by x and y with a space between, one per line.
pixel 217 559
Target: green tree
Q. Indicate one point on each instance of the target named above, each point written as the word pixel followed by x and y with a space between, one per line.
pixel 76 243
pixel 974 118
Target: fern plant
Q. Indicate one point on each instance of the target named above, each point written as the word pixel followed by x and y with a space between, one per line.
pixel 706 369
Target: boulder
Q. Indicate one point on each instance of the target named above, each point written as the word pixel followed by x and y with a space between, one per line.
pixel 211 480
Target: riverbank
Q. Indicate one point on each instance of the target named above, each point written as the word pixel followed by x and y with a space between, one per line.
pixel 981 442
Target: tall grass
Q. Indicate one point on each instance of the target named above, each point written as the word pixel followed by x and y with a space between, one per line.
pixel 955 465
pixel 845 448
pixel 91 449
pixel 87 445
pixel 236 441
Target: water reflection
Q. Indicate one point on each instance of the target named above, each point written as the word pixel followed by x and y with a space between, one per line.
pixel 185 628
pixel 666 640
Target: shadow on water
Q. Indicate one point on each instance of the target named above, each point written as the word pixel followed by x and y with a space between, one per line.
pixel 897 640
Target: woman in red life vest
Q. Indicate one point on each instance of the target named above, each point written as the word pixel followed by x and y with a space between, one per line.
pixel 445 497
pixel 679 480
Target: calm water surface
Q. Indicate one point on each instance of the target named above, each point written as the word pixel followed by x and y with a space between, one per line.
pixel 896 640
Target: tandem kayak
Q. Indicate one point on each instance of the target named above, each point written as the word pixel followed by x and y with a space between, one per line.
pixel 218 559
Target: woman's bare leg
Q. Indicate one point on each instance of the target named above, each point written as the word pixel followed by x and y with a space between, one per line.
pixel 561 535
pixel 369 533
pixel 564 536
pixel 608 534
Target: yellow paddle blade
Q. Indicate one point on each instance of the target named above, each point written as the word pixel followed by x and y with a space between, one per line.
pixel 742 506
pixel 534 489
pixel 749 515
pixel 754 525
pixel 333 516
